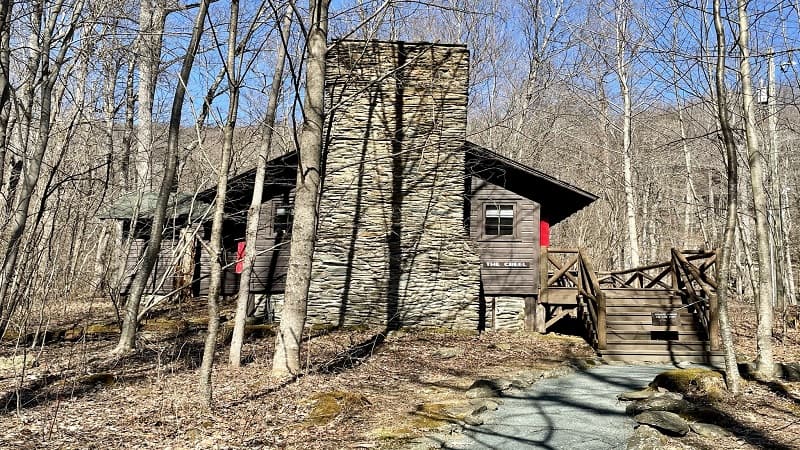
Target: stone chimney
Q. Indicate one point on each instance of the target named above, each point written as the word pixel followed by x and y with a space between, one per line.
pixel 392 249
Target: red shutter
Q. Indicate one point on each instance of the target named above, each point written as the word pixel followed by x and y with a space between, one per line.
pixel 544 233
pixel 240 256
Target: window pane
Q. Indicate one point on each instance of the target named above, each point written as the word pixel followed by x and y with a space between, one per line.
pixel 507 211
pixel 282 222
pixel 499 220
pixel 492 226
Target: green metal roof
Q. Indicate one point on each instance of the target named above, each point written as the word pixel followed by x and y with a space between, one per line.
pixel 180 205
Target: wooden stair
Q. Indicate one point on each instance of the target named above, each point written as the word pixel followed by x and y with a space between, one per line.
pixel 632 336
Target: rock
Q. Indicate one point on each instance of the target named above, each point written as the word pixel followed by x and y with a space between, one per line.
pixel 503 384
pixel 709 430
pixel 485 405
pixel 423 443
pixel 583 363
pixel 646 438
pixel 447 352
pixel 684 364
pixel 473 420
pixel 694 383
pixel 665 421
pixel 637 395
pixel 789 372
pixel 478 402
pixel 527 378
pixel 458 410
pixel 786 371
pixel 16 363
pixel 484 389
pixel 560 371
pixel 668 401
pixel 504 346
pixel 518 383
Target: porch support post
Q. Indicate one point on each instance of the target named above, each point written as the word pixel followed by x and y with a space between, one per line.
pixel 713 322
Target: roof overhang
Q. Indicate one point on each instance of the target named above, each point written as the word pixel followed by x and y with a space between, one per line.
pixel 558 199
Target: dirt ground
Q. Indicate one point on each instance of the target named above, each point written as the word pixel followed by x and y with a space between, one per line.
pixel 361 389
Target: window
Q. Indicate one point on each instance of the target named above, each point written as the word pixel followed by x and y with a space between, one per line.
pixel 499 220
pixel 283 219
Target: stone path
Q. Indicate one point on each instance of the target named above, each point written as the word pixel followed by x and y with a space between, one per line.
pixel 578 411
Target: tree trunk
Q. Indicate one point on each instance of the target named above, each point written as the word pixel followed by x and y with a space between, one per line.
pixel 287 346
pixel 127 338
pixel 775 216
pixel 50 68
pixel 764 360
pixel 152 17
pixel 786 221
pixel 254 213
pixel 5 88
pixel 627 132
pixel 127 136
pixel 723 115
pixel 219 210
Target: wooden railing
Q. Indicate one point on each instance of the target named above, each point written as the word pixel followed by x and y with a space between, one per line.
pixel 694 278
pixel 645 277
pixel 558 269
pixel 565 271
pixel 688 273
pixel 593 301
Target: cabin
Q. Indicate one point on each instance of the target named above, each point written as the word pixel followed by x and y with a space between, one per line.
pixel 417 225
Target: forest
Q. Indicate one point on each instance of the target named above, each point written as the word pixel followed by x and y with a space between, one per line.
pixel 682 117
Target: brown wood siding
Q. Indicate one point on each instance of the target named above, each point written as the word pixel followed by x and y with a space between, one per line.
pixel 161 278
pixel 230 283
pixel 520 248
pixel 272 261
pixel 270 266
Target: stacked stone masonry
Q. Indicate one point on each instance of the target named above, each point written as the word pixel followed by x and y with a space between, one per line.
pixel 392 248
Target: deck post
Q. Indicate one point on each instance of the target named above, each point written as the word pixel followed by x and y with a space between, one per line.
pixel 536 312
pixel 540 319
pixel 713 322
pixel 544 264
pixel 530 313
pixel 601 321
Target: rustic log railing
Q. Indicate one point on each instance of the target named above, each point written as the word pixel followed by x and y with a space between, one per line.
pixel 559 270
pixel 645 277
pixel 698 286
pixel 593 301
pixel 558 280
pixel 568 272
pixel 688 273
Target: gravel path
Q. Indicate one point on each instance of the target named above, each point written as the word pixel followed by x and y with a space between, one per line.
pixel 577 411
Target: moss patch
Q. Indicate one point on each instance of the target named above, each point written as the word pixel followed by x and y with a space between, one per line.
pixel 692 383
pixel 166 325
pixel 329 405
pixel 95 330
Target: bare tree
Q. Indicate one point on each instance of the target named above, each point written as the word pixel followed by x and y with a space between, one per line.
pixel 732 162
pixel 48 67
pixel 130 319
pixel 254 212
pixel 152 18
pixel 215 243
pixel 764 360
pixel 622 15
pixel 286 359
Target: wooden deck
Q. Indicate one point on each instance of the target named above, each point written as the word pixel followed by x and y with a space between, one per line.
pixel 664 312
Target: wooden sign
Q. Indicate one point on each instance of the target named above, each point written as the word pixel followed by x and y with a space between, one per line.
pixel 506 264
pixel 663 319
